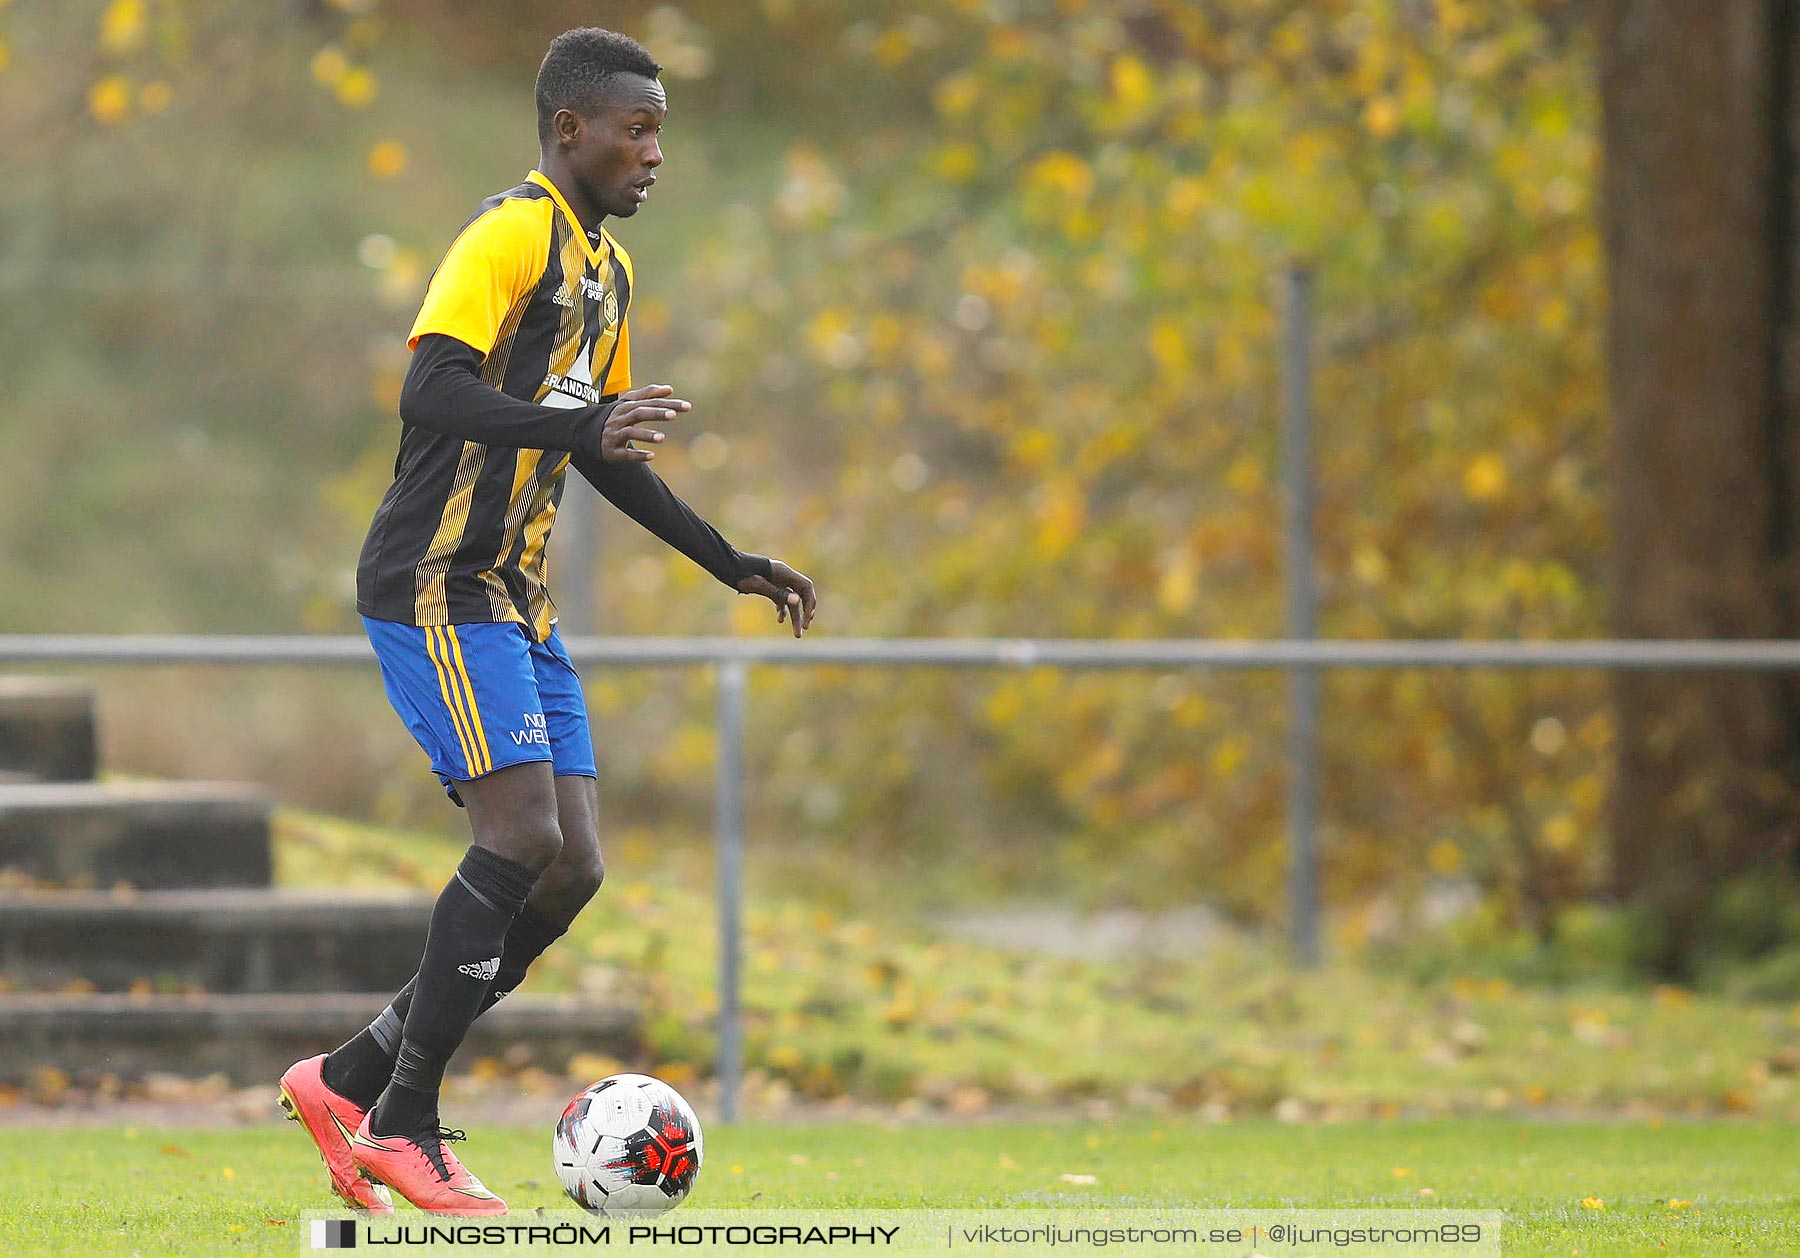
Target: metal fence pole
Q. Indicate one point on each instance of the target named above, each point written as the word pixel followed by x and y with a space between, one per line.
pixel 729 822
pixel 577 558
pixel 1302 621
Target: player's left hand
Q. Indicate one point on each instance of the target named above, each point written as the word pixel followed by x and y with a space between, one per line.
pixel 790 591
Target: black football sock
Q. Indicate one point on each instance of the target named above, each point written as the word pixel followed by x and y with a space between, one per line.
pixel 461 961
pixel 361 1067
pixel 527 939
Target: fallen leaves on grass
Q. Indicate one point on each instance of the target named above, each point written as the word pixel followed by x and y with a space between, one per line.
pixel 46 1085
pixel 968 1100
pixel 891 1013
pixel 593 1066
pixel 164 1086
pixel 1737 1101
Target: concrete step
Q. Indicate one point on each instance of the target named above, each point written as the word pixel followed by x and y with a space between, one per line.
pixel 148 834
pixel 211 940
pixel 47 729
pixel 253 1038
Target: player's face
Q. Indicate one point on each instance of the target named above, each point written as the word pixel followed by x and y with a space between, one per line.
pixel 617 156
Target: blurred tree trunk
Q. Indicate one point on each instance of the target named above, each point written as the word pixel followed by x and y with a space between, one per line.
pixel 1698 101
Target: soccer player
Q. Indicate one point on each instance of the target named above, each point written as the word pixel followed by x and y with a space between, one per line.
pixel 521 368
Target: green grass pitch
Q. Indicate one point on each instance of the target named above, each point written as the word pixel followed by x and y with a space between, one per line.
pixel 1737 1183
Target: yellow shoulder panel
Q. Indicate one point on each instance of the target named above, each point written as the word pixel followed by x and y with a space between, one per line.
pixel 495 263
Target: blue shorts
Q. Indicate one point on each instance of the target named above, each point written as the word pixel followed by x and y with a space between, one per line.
pixel 480 697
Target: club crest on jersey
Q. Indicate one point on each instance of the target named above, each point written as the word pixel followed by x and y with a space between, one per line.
pixel 609 300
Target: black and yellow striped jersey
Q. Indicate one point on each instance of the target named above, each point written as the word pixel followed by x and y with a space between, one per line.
pixel 460 535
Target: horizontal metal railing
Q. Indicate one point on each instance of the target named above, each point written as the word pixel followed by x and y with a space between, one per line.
pixel 1762 655
pixel 733 657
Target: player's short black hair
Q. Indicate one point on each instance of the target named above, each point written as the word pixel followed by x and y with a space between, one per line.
pixel 577 66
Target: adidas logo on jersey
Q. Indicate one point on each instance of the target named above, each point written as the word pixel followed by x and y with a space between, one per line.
pixel 563 297
pixel 483 970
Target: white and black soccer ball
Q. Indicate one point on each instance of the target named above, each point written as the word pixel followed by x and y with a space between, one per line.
pixel 627 1145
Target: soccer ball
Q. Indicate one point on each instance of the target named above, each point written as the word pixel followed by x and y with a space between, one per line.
pixel 627 1145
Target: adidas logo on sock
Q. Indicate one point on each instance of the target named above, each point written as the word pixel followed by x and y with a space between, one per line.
pixel 483 970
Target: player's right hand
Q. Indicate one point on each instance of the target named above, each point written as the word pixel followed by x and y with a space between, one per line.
pixel 648 404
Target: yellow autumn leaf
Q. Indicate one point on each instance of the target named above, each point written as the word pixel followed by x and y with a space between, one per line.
pixel 329 65
pixel 109 100
pixel 1369 565
pixel 1245 475
pixel 1560 833
pixel 1592 1203
pixel 1132 85
pixel 1007 43
pixel 122 27
pixel 1382 117
pixel 1186 196
pixel 1176 589
pixel 1485 478
pixel 893 46
pixel 357 88
pixel 387 159
pixel 957 163
pixel 1062 173
pixel 1061 513
pixel 956 94
pixel 1168 346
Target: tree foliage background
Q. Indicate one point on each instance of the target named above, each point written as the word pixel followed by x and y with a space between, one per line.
pixel 977 299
